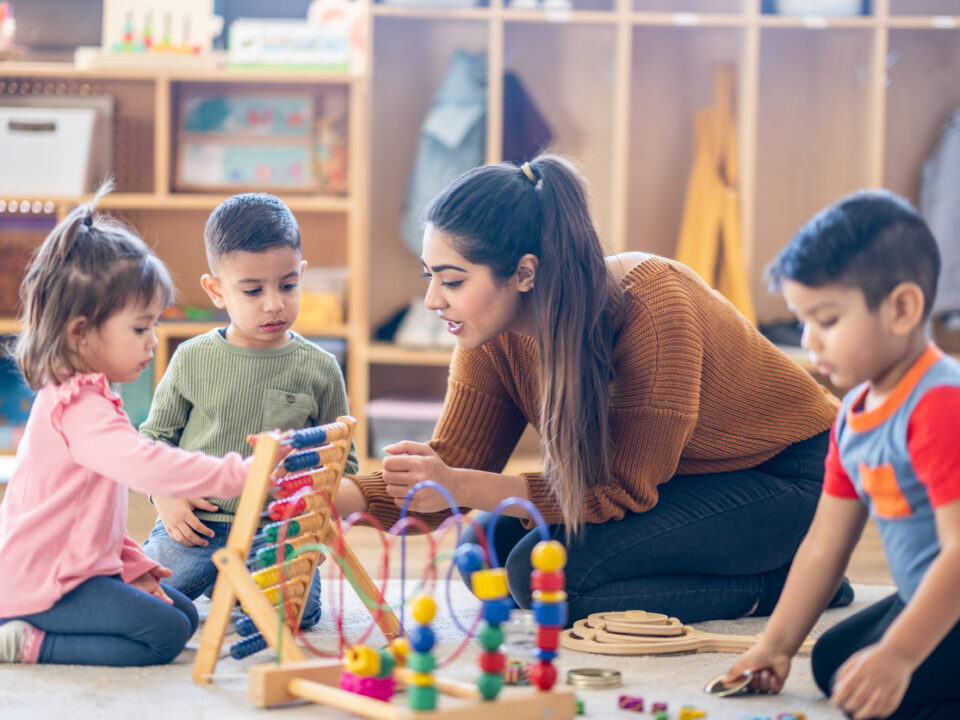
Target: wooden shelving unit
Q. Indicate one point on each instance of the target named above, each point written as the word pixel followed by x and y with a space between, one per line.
pixel 825 105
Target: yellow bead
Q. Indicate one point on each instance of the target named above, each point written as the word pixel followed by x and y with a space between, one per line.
pixel 400 647
pixel 490 584
pixel 423 608
pixel 363 661
pixel 549 556
pixel 420 679
pixel 550 597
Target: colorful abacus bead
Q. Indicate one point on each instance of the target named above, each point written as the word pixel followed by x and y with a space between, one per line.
pixel 659 707
pixel 690 713
pixel 247 646
pixel 630 702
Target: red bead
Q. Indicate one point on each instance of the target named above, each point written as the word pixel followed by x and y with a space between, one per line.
pixel 493 662
pixel 548 638
pixel 543 675
pixel 548 581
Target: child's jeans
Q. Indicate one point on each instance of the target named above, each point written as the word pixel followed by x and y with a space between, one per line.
pixel 104 621
pixel 194 572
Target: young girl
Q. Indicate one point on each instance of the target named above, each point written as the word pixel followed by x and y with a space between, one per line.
pixel 74 588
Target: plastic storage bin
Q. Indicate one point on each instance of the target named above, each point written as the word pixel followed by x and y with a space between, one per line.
pixel 393 419
pixel 46 151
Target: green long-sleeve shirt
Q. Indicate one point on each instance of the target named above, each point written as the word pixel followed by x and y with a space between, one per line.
pixel 214 394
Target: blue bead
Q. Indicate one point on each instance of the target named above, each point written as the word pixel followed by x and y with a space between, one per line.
pixel 496 612
pixel 247 646
pixel 552 614
pixel 421 638
pixel 469 559
pixel 544 655
pixel 301 460
pixel 308 437
pixel 245 626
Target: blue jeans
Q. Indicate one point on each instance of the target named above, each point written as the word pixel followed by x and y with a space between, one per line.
pixel 714 546
pixel 194 572
pixel 104 621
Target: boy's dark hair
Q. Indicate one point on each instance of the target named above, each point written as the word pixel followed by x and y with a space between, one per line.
pixel 873 240
pixel 252 222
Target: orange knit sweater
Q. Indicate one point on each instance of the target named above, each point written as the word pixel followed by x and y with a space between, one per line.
pixel 696 389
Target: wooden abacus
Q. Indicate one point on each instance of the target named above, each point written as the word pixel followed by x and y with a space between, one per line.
pixel 324 465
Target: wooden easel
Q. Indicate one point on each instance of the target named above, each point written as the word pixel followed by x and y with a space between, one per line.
pixel 234 581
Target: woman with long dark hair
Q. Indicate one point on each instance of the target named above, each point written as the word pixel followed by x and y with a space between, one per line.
pixel 682 452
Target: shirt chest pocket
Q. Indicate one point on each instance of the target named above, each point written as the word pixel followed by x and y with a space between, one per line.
pixel 880 483
pixel 286 410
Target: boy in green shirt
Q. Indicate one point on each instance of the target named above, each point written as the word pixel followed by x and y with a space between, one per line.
pixel 254 375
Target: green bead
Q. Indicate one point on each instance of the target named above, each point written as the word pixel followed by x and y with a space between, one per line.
pixel 580 706
pixel 490 636
pixel 421 662
pixel 422 698
pixel 387 663
pixel 489 685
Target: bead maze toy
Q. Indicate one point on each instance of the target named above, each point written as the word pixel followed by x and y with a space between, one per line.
pixel 273 598
pixel 364 679
pixel 636 632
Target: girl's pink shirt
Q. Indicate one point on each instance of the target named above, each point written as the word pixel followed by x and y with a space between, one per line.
pixel 63 518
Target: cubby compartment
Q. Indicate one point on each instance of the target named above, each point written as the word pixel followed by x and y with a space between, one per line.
pixel 690 6
pixel 672 77
pixel 568 71
pixel 924 7
pixel 922 95
pixel 814 129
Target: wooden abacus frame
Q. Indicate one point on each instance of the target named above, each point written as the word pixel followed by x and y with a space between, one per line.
pixel 234 581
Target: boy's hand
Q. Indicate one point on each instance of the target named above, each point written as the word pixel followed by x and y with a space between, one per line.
pixel 180 522
pixel 769 666
pixel 149 582
pixel 872 682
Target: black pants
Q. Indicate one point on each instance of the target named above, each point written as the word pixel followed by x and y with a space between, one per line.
pixel 934 690
pixel 715 546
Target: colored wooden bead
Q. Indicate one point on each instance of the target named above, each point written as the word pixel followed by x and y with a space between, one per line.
pixel 493 662
pixel 548 581
pixel 400 648
pixel 555 596
pixel 659 707
pixel 469 559
pixel 497 611
pixel 662 715
pixel 581 708
pixel 629 702
pixel 421 679
pixel 421 662
pixel 490 636
pixel 690 713
pixel 552 614
pixel 421 638
pixel 422 698
pixel 548 637
pixel 245 626
pixel 544 655
pixel 423 608
pixel 247 646
pixel 791 716
pixel 373 687
pixel 549 556
pixel 362 661
pixel 543 675
pixel 489 684
pixel 490 584
pixel 387 662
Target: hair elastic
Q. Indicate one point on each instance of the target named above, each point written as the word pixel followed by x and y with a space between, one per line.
pixel 528 172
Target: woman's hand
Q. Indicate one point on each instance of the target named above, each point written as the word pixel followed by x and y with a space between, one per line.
pixel 872 682
pixel 410 463
pixel 768 665
pixel 149 582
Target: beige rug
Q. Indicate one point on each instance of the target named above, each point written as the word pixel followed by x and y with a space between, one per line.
pixel 168 693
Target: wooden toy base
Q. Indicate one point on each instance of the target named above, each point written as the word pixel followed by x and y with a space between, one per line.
pixel 319 681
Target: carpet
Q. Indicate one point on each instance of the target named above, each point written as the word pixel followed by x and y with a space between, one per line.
pixel 163 692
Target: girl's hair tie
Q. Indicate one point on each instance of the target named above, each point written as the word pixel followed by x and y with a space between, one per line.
pixel 528 172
